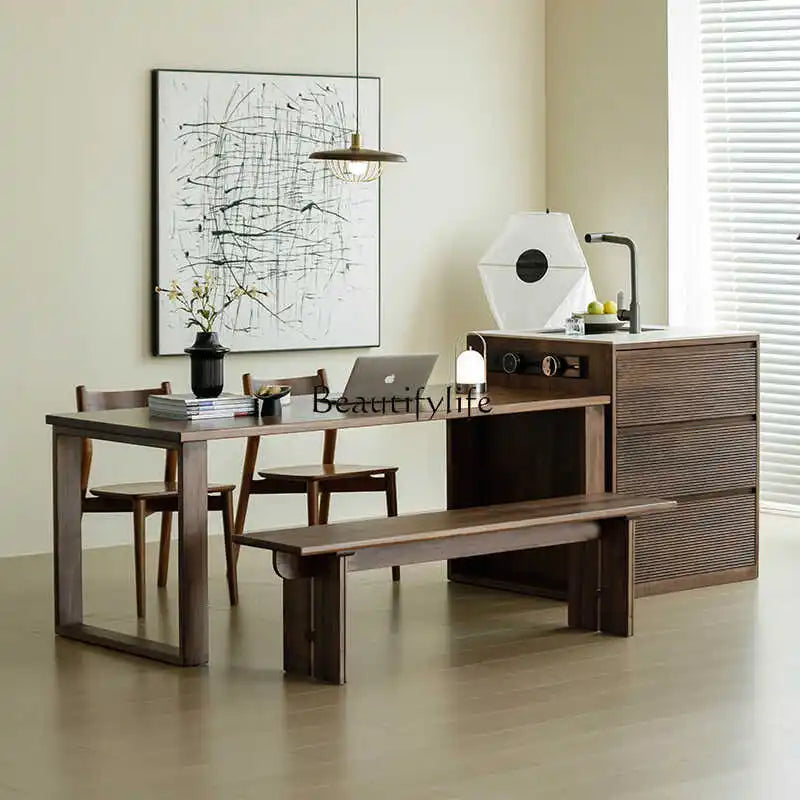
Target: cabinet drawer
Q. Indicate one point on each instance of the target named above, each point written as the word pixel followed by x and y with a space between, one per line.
pixel 686 383
pixel 700 536
pixel 674 460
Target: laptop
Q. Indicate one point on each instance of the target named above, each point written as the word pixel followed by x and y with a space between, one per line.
pixel 388 376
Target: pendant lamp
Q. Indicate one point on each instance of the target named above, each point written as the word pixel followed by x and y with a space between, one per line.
pixel 356 164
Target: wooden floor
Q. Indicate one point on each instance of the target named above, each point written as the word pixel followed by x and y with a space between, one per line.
pixel 454 692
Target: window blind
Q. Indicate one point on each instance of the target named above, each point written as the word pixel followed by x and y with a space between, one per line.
pixel 751 108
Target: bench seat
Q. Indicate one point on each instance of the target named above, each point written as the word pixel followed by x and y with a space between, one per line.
pixel 314 561
pixel 383 531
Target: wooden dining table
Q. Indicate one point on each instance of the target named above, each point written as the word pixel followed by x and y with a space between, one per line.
pixel 521 445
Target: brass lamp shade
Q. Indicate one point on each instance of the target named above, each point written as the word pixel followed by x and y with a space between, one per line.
pixel 356 164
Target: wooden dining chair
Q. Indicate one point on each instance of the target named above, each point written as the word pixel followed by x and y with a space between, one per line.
pixel 316 481
pixel 143 499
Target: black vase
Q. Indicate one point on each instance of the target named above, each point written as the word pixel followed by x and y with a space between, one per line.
pixel 208 365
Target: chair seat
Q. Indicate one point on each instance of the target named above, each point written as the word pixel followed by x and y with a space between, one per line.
pixel 151 489
pixel 322 472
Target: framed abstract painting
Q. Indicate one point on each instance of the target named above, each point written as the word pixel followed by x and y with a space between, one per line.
pixel 237 202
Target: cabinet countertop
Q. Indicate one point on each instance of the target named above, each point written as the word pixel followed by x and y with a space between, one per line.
pixel 622 340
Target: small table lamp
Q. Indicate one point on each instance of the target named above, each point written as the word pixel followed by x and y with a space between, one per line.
pixel 471 369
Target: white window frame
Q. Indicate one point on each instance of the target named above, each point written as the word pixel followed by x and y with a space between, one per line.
pixel 689 280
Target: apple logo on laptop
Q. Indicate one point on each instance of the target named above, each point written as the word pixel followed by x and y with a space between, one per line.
pixel 389 378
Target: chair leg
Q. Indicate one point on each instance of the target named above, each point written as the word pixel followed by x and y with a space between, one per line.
pixel 241 514
pixel 139 554
pixel 391 510
pixel 324 506
pixel 312 498
pixel 230 556
pixel 250 456
pixel 163 547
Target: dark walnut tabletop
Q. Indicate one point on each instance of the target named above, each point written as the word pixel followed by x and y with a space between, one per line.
pixel 300 416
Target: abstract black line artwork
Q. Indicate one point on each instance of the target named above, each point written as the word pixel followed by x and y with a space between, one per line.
pixel 237 199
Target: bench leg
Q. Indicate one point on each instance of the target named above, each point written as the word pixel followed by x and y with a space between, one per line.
pixel 616 577
pixel 330 609
pixel 297 626
pixel 314 612
pixel 584 585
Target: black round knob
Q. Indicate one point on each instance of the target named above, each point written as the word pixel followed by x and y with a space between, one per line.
pixel 511 362
pixel 551 365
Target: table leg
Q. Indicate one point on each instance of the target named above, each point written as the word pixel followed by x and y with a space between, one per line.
pixel 193 553
pixel 583 578
pixel 67 559
pixel 67 556
pixel 594 451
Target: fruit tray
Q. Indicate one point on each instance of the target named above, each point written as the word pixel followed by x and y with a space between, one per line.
pixel 601 323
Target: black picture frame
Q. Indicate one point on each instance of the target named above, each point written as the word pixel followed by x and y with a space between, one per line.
pixel 155 310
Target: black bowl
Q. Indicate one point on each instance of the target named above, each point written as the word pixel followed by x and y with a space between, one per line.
pixel 602 327
pixel 271 403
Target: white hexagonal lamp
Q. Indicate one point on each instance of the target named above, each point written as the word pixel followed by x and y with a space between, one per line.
pixel 535 274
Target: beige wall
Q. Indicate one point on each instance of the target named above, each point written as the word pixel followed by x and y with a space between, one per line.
pixel 460 77
pixel 607 135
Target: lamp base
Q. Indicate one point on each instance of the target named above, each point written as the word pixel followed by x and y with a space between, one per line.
pixel 476 389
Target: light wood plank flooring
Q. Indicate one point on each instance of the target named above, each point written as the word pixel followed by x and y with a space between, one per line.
pixel 454 692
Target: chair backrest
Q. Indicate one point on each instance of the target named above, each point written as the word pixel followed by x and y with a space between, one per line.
pixel 303 385
pixel 108 401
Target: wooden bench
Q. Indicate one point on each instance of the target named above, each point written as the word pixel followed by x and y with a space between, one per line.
pixel 314 562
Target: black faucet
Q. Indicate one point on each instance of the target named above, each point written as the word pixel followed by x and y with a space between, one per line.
pixel 632 314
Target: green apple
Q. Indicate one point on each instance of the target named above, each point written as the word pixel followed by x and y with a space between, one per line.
pixel 594 307
pixel 610 307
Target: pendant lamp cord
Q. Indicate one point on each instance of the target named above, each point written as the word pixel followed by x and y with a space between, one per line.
pixel 358 129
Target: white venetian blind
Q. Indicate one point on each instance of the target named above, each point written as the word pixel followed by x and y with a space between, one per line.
pixel 751 108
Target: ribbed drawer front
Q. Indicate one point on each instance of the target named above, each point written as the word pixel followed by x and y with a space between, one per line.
pixel 685 383
pixel 701 536
pixel 670 461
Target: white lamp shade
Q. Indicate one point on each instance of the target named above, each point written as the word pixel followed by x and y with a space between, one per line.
pixel 470 368
pixel 546 303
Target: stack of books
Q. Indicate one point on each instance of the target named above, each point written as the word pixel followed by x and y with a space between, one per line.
pixel 187 406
